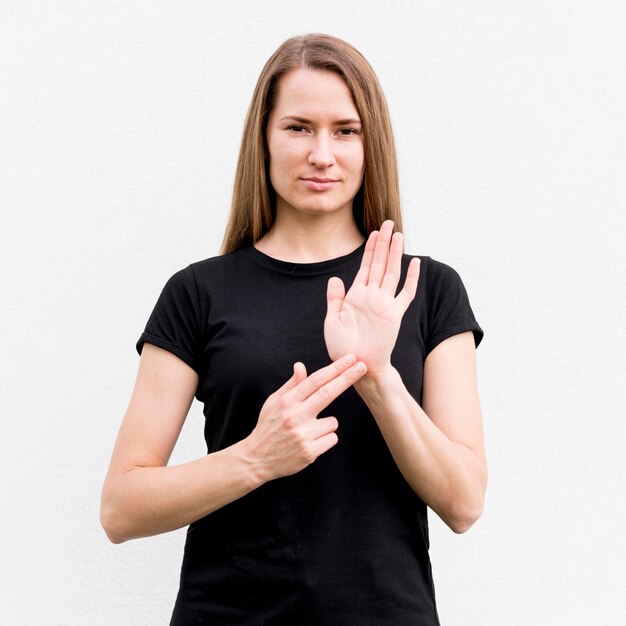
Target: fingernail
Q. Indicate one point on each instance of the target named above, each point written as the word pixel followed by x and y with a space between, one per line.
pixel 349 359
pixel 360 368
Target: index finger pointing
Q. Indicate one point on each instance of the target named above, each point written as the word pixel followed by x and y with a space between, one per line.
pixel 320 377
pixel 328 392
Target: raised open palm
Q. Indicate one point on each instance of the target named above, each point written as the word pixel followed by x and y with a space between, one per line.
pixel 366 320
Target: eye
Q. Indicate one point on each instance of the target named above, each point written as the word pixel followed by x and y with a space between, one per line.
pixel 346 132
pixel 296 128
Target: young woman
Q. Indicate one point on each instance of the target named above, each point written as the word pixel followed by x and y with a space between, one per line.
pixel 337 374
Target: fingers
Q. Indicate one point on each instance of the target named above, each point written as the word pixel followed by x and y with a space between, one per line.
pixel 299 374
pixel 368 254
pixel 331 390
pixel 321 377
pixel 394 263
pixel 322 426
pixel 405 297
pixel 381 253
pixel 335 294
pixel 382 263
pixel 323 444
pixel 323 386
pixel 320 435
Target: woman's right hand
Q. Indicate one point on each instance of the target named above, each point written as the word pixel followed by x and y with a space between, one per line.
pixel 144 496
pixel 289 435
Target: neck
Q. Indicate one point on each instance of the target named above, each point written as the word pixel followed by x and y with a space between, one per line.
pixel 310 238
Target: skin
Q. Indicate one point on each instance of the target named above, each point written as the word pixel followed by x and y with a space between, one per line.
pixel 314 131
pixel 438 446
pixel 142 496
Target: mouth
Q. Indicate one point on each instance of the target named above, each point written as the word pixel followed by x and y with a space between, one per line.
pixel 319 184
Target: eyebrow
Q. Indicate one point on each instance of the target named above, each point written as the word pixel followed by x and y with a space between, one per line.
pixel 303 120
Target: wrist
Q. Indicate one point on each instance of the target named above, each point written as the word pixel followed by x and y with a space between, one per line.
pixel 255 472
pixel 378 381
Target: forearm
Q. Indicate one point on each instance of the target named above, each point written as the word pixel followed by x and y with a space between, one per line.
pixel 142 497
pixel 447 475
pixel 145 501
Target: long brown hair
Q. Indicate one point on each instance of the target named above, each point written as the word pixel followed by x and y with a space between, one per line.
pixel 378 199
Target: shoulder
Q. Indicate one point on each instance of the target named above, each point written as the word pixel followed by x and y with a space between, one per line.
pixel 222 264
pixel 198 273
pixel 446 302
pixel 437 268
pixel 435 276
pixel 193 282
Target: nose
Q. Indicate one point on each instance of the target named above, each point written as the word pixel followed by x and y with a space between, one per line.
pixel 321 153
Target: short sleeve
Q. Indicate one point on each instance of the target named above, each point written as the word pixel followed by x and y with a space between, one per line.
pixel 448 306
pixel 176 320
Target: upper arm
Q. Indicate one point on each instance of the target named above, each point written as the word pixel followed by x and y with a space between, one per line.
pixel 450 391
pixel 159 404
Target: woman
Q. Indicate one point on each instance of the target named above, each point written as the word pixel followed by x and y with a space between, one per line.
pixel 310 506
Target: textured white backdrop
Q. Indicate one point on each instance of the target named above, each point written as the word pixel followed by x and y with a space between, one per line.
pixel 120 124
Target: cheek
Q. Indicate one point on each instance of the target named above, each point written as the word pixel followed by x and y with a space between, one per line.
pixel 275 169
pixel 362 167
pixel 362 158
pixel 355 159
pixel 281 163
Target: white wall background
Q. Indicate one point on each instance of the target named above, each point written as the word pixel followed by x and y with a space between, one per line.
pixel 120 124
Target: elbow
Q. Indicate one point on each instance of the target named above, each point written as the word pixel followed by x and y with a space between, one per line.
pixel 111 521
pixel 461 518
pixel 111 529
pixel 113 538
pixel 461 524
pixel 467 506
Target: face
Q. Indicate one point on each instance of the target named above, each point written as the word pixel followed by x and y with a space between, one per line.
pixel 315 143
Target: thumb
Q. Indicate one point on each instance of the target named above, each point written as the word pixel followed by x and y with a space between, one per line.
pixel 299 374
pixel 335 294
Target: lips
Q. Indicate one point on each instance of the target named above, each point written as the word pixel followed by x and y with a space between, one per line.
pixel 319 184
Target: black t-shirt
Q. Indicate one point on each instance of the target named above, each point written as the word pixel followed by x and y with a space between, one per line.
pixel 344 541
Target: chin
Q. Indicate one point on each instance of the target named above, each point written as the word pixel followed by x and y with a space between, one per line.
pixel 317 204
pixel 320 208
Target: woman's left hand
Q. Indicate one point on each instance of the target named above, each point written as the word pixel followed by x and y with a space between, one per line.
pixel 366 320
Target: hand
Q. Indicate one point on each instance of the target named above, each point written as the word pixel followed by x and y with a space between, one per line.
pixel 366 320
pixel 288 435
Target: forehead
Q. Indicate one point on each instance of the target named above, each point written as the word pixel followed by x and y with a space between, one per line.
pixel 313 91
